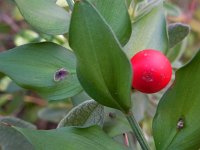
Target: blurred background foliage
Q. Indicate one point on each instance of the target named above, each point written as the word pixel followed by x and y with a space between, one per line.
pixel 27 105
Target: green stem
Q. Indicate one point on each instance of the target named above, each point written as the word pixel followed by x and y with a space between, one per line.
pixel 138 132
pixel 71 4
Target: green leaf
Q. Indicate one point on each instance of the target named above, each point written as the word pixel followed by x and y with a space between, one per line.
pixel 80 98
pixel 16 122
pixel 10 139
pixel 180 104
pixel 102 67
pixel 141 105
pixel 116 15
pixel 87 114
pixel 128 3
pixel 177 32
pixel 53 114
pixel 144 7
pixel 149 31
pixel 71 138
pixel 45 16
pixel 172 9
pixel 176 52
pixel 33 66
pixel 115 122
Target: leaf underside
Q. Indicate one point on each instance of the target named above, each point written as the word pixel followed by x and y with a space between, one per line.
pixel 87 114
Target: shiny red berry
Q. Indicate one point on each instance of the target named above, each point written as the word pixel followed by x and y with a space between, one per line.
pixel 152 71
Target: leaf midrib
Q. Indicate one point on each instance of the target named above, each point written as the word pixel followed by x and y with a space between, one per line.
pixel 96 58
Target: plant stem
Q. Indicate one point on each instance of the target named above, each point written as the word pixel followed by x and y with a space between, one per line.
pixel 137 131
pixel 71 4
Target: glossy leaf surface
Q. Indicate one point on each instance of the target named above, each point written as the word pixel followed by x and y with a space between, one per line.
pixel 102 67
pixel 116 15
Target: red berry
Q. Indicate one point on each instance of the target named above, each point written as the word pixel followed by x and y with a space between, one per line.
pixel 152 71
